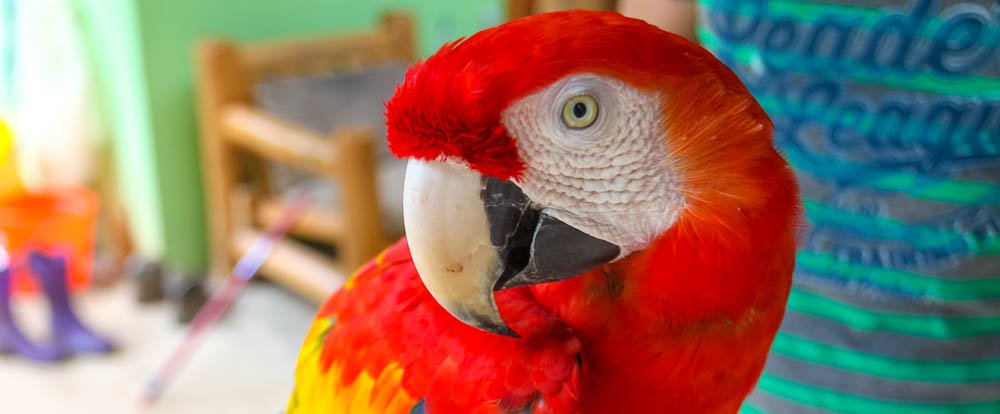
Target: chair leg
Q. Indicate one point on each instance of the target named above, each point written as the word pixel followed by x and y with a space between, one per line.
pixel 356 148
pixel 68 332
pixel 223 80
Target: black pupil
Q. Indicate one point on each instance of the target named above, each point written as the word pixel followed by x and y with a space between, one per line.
pixel 579 109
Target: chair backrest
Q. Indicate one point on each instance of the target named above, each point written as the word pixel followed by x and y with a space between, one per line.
pixel 391 41
pixel 229 71
pixel 227 76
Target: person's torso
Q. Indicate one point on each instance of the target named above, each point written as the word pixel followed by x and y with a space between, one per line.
pixel 889 111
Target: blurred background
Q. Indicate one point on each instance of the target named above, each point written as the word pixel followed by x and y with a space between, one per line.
pixel 145 145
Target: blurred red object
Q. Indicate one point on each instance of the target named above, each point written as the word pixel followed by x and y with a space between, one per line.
pixel 55 222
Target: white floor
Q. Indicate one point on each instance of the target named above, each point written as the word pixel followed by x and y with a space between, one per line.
pixel 244 366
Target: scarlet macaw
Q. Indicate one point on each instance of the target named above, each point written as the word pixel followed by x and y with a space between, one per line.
pixel 597 221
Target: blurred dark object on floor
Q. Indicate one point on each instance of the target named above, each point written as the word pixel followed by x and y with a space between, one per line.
pixel 148 277
pixel 191 297
pixel 153 284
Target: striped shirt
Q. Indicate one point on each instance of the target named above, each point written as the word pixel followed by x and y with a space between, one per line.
pixel 889 111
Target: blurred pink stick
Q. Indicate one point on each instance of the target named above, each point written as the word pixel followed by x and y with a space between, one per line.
pixel 224 297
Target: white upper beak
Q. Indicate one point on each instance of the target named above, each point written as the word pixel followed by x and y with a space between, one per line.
pixel 470 235
pixel 449 238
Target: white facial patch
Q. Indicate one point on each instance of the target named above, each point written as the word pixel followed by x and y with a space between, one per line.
pixel 609 179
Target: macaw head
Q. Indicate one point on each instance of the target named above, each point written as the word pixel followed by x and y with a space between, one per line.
pixel 551 145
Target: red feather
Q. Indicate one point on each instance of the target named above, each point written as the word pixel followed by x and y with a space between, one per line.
pixel 450 104
pixel 682 326
pixel 388 317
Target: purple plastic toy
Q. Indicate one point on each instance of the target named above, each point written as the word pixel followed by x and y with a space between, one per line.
pixel 69 335
pixel 12 340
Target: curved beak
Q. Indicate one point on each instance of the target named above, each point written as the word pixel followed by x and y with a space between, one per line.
pixel 470 235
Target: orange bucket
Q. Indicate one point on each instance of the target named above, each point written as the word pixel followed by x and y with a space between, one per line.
pixel 55 222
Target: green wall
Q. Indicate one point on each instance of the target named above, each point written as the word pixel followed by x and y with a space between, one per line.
pixel 148 49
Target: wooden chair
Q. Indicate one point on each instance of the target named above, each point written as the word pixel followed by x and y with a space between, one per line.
pixel 239 140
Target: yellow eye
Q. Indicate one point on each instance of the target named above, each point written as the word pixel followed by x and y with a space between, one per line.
pixel 579 111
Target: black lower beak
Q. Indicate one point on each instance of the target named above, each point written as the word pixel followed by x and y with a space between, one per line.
pixel 533 246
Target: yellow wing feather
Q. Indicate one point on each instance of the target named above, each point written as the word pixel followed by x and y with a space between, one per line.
pixel 319 391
